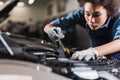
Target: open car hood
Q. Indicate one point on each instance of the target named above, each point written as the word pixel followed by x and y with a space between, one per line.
pixel 6 8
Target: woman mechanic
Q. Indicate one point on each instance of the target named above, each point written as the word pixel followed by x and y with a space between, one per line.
pixel 101 19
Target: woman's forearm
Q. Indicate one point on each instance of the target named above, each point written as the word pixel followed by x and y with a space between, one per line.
pixel 108 48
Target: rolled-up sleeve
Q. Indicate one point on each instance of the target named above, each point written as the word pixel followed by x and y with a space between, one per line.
pixel 117 33
pixel 116 30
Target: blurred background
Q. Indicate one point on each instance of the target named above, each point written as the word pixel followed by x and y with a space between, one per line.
pixel 41 9
pixel 38 10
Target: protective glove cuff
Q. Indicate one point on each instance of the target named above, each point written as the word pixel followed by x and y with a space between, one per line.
pixel 94 51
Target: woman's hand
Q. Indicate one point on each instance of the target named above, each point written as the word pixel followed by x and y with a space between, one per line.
pixel 55 33
pixel 86 55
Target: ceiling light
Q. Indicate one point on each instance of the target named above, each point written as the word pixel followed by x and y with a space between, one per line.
pixel 1 3
pixel 31 1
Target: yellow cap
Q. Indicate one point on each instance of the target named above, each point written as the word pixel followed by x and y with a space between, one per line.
pixel 67 51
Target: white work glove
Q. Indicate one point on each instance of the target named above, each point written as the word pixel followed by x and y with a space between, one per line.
pixel 55 33
pixel 86 55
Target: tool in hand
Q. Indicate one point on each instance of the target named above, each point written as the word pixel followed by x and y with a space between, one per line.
pixel 61 46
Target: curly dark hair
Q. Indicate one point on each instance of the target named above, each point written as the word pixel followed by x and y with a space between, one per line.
pixel 112 6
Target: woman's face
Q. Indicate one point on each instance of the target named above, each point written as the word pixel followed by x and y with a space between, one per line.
pixel 95 15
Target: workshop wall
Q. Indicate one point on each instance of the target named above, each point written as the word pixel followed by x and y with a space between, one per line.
pixel 42 12
pixel 58 8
